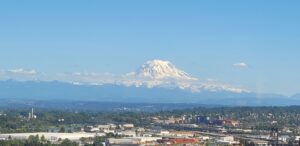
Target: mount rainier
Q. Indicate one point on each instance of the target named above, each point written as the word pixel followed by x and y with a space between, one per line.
pixel 159 73
pixel 156 81
pixel 155 73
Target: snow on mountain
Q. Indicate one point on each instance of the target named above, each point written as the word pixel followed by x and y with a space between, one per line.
pixel 159 69
pixel 159 73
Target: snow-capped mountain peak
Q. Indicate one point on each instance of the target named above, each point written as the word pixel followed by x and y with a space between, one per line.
pixel 153 74
pixel 159 69
pixel 159 73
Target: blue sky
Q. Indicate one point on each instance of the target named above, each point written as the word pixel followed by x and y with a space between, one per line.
pixel 204 38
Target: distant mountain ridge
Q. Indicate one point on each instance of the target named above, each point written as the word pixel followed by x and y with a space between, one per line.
pixel 156 81
pixel 152 74
pixel 56 90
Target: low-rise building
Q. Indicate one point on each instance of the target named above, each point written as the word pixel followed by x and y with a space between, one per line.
pixel 130 133
pixel 180 141
pixel 257 142
pixel 227 140
pixel 164 133
pixel 133 140
pixel 51 136
pixel 231 122
pixel 185 134
pixel 127 126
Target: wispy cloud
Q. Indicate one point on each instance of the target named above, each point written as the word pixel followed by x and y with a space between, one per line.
pixel 87 78
pixel 241 65
pixel 22 71
pixel 20 74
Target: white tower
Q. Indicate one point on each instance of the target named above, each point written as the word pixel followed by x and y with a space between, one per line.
pixel 32 115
